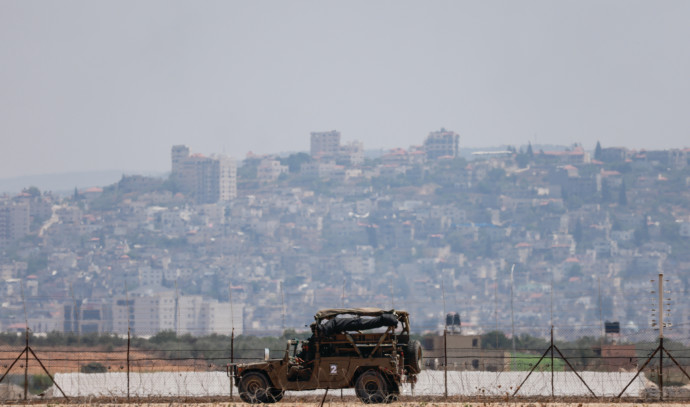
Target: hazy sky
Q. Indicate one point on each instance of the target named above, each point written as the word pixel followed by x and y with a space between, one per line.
pixel 94 85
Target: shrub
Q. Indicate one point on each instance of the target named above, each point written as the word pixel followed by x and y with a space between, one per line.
pixel 93 367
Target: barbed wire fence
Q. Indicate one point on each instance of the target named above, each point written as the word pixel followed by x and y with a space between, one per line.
pixel 574 362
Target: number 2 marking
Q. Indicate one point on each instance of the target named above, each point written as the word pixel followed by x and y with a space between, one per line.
pixel 334 369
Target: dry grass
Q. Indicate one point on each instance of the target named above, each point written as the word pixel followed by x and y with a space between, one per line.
pixel 331 403
pixel 335 401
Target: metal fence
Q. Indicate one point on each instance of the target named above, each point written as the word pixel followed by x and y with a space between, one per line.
pixel 555 362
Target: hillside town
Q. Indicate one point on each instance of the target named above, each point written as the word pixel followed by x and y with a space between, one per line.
pixel 567 236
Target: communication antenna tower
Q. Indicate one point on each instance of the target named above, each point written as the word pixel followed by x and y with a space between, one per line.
pixel 664 309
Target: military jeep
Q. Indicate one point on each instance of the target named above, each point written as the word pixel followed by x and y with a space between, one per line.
pixel 339 355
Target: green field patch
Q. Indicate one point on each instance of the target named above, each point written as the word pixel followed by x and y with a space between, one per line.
pixel 526 361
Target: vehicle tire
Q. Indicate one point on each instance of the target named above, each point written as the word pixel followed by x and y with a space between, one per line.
pixel 394 393
pixel 371 387
pixel 414 358
pixel 254 389
pixel 275 394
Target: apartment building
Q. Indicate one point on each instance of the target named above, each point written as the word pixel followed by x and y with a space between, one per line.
pixel 86 316
pixel 325 144
pixel 207 179
pixel 14 221
pixel 269 170
pixel 152 309
pixel 442 143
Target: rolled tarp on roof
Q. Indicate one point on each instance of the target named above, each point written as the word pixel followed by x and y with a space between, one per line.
pixel 362 312
pixel 339 325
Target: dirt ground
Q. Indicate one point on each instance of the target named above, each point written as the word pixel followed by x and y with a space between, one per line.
pixel 336 401
pixel 330 403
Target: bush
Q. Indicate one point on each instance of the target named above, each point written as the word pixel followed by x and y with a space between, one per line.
pixel 39 383
pixel 93 367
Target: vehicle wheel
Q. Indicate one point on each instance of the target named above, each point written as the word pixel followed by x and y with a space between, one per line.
pixel 371 388
pixel 393 391
pixel 275 394
pixel 393 396
pixel 254 389
pixel 414 358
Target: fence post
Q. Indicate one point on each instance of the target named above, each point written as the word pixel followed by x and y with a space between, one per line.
pixel 445 363
pixel 551 361
pixel 661 336
pixel 128 348
pixel 26 365
pixel 232 359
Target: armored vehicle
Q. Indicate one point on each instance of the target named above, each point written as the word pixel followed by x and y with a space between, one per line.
pixel 340 355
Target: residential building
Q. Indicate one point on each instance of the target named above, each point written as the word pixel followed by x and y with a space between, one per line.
pixel 442 143
pixel 325 144
pixel 87 316
pixel 152 309
pixel 207 179
pixel 614 154
pixel 179 154
pixel 463 352
pixel 269 170
pixel 351 153
pixel 14 221
pixel 145 311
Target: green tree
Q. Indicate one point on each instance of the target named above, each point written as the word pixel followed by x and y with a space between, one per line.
pixel 295 161
pixel 456 241
pixel 33 191
pixel 575 271
pixel 496 340
pixel 622 195
pixel 249 168
pixel 488 248
pixel 670 231
pixel 641 234
pixel 36 262
pixel 522 160
pixel 605 192
pixel 597 152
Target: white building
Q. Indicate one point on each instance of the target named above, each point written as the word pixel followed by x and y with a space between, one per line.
pixel 685 229
pixel 207 179
pixel 269 170
pixel 441 143
pixel 152 309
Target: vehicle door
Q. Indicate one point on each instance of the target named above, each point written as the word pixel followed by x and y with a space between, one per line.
pixel 333 372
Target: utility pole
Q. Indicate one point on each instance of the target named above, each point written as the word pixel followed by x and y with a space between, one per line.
pixel 232 339
pixel 26 362
pixel 496 309
pixel 445 341
pixel 177 310
pixel 512 310
pixel 282 304
pixel 660 349
pixel 661 336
